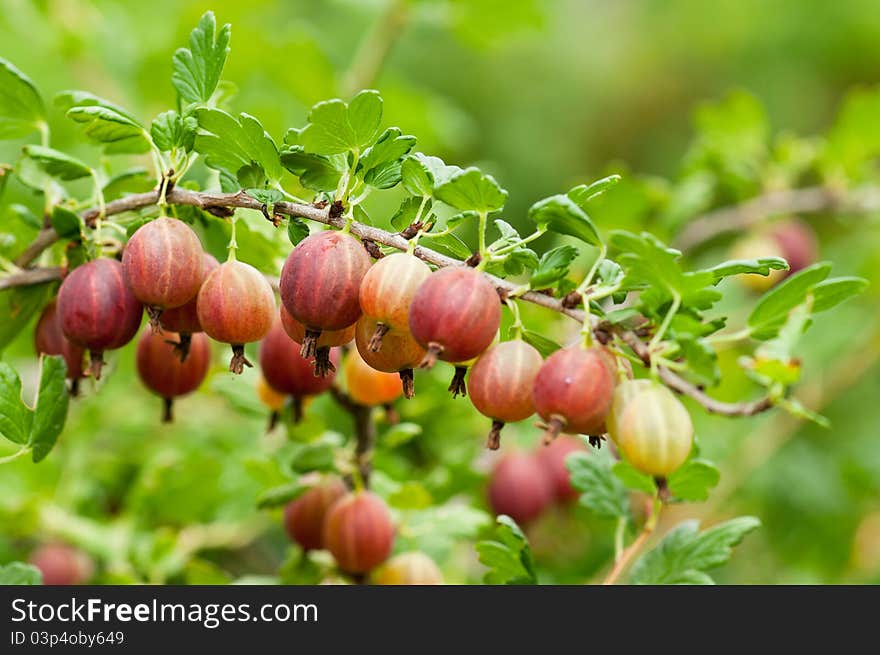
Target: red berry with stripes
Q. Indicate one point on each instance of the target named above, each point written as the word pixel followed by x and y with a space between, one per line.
pixel 520 487
pixel 50 340
pixel 501 382
pixel 387 292
pixel 163 265
pixel 320 283
pixel 304 517
pixel 185 319
pixel 455 315
pixel 358 532
pixel 97 309
pixel 400 353
pixel 60 564
pixel 287 371
pixel 160 369
pixel 236 305
pixel 327 340
pixel 573 391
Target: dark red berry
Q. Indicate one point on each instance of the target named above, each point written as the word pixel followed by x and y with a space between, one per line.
pixel 97 309
pixel 553 457
pixel 358 532
pixel 520 487
pixel 320 283
pixel 455 315
pixel 387 291
pixel 327 340
pixel 163 265
pixel 400 353
pixel 501 382
pixel 798 243
pixel 236 305
pixel 62 565
pixel 185 319
pixel 304 517
pixel 161 370
pixel 50 340
pixel 573 390
pixel 287 371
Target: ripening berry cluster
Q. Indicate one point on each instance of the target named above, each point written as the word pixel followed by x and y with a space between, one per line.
pixel 400 314
pixel 357 529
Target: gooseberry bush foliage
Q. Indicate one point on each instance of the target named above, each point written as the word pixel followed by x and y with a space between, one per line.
pixel 349 304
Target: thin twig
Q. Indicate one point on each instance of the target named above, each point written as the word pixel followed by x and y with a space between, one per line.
pixel 30 276
pixel 629 553
pixel 810 200
pixel 222 201
pixel 364 431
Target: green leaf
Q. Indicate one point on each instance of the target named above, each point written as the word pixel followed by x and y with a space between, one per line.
pixel 56 164
pixel 685 553
pixel 419 173
pixel 236 143
pixel 135 180
pixel 406 213
pixel 66 223
pixel 601 491
pixel 561 215
pixel 197 69
pixel 381 162
pixel 449 245
pixel 328 131
pixel 266 196
pixel 761 266
pixel 280 495
pixel 400 434
pixel 15 416
pixel 830 293
pixel 318 455
pixel 509 558
pixel 584 193
pixel 797 409
pixel 17 306
pixel 297 230
pixel 632 478
pixel 315 172
pixel 553 266
pixel 19 573
pixel 772 310
pixel 105 125
pixel 693 481
pixel 21 107
pixel 540 343
pixel 471 189
pixel 365 117
pixel 51 410
pixel 170 130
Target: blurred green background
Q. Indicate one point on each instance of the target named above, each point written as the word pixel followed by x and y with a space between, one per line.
pixel 544 95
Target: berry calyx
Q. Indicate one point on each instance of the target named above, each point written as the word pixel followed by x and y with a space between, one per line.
pixel 185 319
pixel 304 517
pixel 573 391
pixel 358 532
pixel 327 340
pixel 50 340
pixel 501 383
pixel 520 487
pixel 553 457
pixel 288 372
pixel 387 291
pixel 454 315
pixel 654 431
pixel 400 353
pixel 370 387
pixel 410 568
pixel 162 372
pixel 163 265
pixel 97 309
pixel 236 305
pixel 320 283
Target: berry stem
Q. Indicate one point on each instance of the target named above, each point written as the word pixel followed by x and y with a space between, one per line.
pixel 516 329
pixel 628 554
pixel 493 441
pixel 482 239
pixel 167 410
